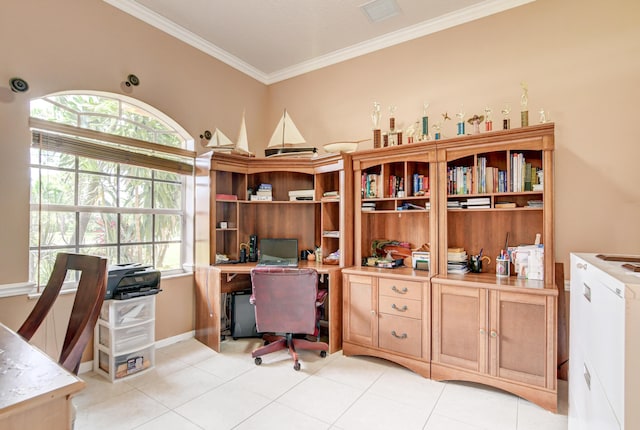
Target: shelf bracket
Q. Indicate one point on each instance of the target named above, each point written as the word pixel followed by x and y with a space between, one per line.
pixel 230 276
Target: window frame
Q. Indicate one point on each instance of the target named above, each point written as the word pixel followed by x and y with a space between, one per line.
pixel 122 151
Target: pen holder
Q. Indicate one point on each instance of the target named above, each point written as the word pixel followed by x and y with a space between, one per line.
pixel 502 267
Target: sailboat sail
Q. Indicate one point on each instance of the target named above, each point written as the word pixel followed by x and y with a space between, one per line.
pixel 242 145
pixel 285 138
pixel 220 142
pixel 286 133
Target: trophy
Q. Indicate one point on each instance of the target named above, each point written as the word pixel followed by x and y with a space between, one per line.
pixel 460 116
pixel 375 118
pixel 425 121
pixel 392 118
pixel 543 116
pixel 524 102
pixel 475 121
pixel 488 124
pixel 436 130
pixel 506 122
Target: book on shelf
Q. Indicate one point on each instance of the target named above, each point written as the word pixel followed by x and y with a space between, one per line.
pixel 300 198
pixel 420 184
pixel 230 197
pixel 465 205
pixel 406 206
pixel 371 185
pixel 478 201
pixel 331 194
pixel 535 203
pixel 301 193
pixel 502 205
pixel 396 184
pixel 331 233
pixel 261 198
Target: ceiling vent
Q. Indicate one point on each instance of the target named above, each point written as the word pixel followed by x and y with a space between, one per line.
pixel 379 10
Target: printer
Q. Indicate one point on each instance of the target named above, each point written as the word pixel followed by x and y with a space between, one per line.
pixel 126 281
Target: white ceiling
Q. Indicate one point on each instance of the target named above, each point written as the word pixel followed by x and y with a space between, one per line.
pixel 272 40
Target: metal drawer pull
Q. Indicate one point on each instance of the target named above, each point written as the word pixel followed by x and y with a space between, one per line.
pixel 402 309
pixel 587 292
pixel 582 266
pixel 587 376
pixel 394 334
pixel 403 291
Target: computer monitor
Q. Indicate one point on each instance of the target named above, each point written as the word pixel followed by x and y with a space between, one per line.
pixel 279 252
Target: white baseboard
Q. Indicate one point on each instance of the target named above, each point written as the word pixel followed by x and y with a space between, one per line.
pixel 87 366
pixel 175 339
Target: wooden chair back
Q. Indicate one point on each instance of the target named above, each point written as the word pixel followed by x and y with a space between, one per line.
pixel 86 306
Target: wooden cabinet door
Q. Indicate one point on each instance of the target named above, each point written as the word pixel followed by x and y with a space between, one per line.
pixel 459 327
pixel 522 337
pixel 360 309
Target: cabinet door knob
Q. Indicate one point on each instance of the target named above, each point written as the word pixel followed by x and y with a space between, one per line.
pixel 494 334
pixel 403 291
pixel 399 309
pixel 373 312
pixel 482 332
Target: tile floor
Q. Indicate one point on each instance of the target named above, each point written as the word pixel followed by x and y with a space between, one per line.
pixel 192 387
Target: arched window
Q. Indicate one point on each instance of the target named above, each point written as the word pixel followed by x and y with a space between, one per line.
pixel 110 176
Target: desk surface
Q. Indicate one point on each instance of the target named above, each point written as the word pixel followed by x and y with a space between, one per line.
pixel 246 267
pixel 29 378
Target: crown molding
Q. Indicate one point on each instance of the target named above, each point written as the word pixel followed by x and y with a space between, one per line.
pixel 462 16
pixel 161 23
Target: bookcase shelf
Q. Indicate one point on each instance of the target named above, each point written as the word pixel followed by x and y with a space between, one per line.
pixel 479 327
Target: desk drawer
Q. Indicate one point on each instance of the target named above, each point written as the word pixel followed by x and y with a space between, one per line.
pixel 400 307
pixel 400 288
pixel 400 334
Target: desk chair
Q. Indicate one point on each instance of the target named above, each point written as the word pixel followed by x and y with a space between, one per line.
pixel 286 301
pixel 86 306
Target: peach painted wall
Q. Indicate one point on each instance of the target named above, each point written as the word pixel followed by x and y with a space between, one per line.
pixel 90 45
pixel 581 60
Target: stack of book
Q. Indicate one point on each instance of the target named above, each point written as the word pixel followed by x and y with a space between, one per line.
pixel 534 204
pixel 301 195
pixel 477 203
pixel 368 206
pixel 453 204
pixel 264 193
pixel 457 261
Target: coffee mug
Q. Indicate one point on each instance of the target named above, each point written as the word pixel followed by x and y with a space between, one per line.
pixel 475 262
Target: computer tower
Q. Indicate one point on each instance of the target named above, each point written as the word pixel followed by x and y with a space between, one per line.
pixel 243 316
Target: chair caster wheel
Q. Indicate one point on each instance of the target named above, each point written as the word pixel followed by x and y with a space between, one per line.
pixel 323 354
pixel 258 361
pixel 296 366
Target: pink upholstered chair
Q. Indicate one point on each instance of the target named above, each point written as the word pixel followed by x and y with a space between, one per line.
pixel 286 303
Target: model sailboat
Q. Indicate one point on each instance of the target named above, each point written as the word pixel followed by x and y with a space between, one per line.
pixel 220 142
pixel 285 139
